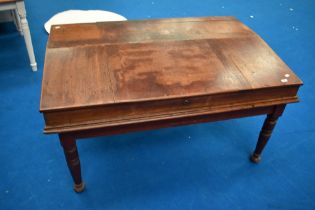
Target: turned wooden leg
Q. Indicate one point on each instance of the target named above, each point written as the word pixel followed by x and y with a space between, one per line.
pixel 20 7
pixel 266 131
pixel 17 21
pixel 72 157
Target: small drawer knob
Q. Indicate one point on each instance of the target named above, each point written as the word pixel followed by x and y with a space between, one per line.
pixel 186 102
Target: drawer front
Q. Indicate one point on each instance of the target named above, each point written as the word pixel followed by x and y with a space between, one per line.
pixel 141 111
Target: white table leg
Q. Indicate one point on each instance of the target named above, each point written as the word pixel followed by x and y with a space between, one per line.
pixel 26 32
pixel 17 21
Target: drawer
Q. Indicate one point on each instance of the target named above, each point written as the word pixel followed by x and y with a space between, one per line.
pixel 142 111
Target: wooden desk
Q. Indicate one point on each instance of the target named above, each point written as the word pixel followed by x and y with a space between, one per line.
pixel 117 77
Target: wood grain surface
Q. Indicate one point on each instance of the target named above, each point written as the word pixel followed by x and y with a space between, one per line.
pixel 153 66
pixel 117 77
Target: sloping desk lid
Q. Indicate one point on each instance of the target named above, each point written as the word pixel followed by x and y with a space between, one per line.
pixel 115 62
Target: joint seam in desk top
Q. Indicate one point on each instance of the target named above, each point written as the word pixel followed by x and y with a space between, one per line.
pixel 232 63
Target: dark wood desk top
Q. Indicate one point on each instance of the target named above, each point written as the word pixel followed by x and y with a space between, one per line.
pixel 110 63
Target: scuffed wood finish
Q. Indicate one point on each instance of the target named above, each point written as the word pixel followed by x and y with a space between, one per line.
pixel 78 78
pixel 137 65
pixel 116 77
pixel 146 31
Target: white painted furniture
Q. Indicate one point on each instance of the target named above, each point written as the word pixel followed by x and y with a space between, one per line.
pixel 18 12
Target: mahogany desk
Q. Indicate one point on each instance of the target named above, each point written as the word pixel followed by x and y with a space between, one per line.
pixel 116 77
